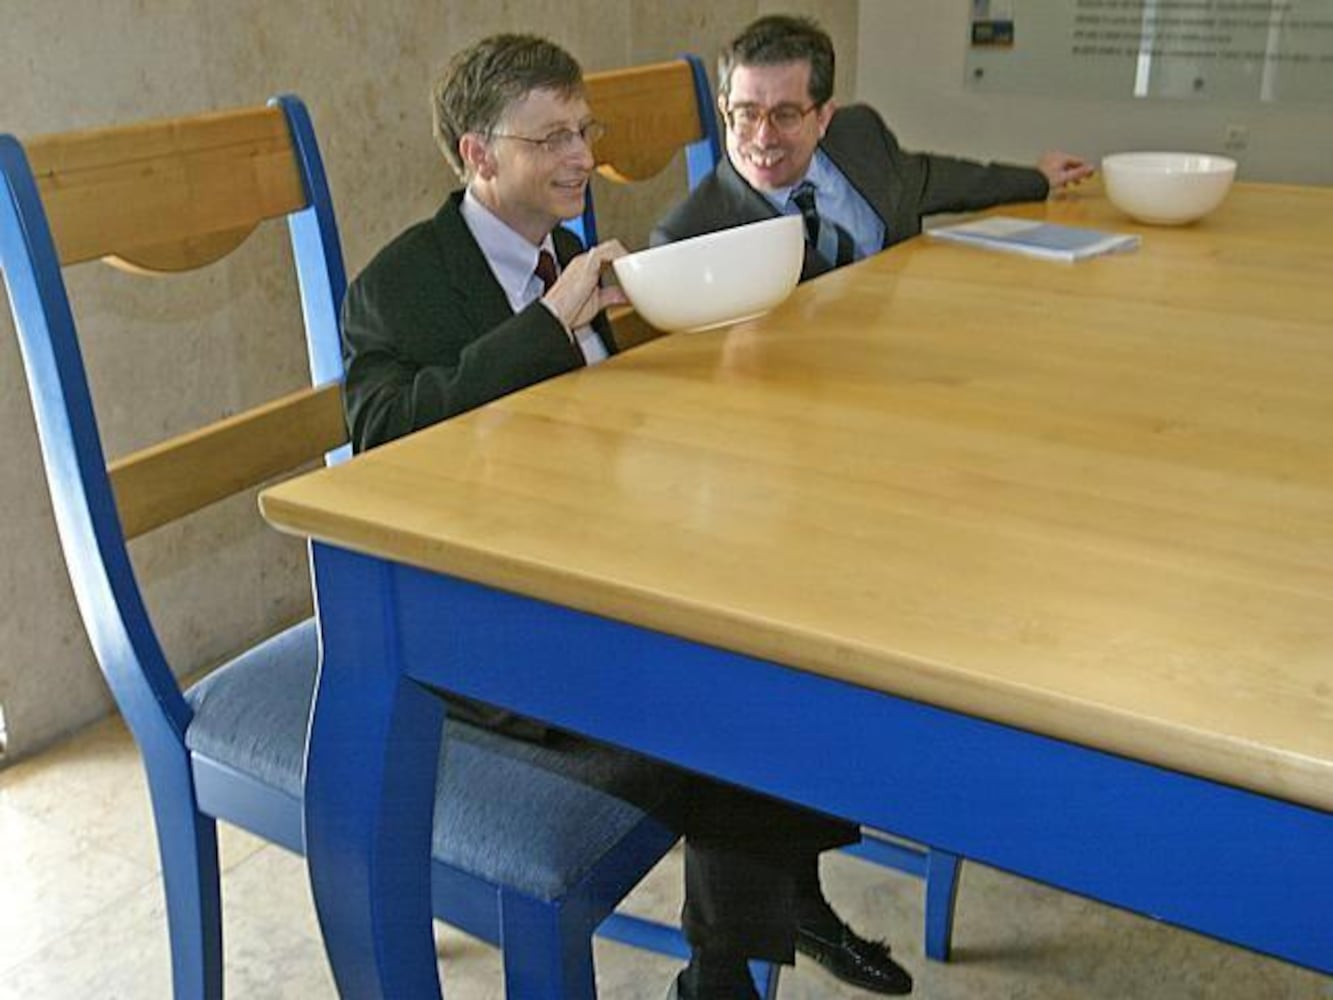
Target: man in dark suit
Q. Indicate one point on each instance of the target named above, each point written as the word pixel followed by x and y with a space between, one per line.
pixel 490 296
pixel 791 149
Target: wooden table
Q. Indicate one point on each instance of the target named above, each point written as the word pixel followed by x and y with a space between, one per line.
pixel 1037 558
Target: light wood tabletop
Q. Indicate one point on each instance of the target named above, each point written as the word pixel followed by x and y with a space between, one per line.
pixel 1094 501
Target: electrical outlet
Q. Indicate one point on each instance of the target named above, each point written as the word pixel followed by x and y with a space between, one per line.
pixel 1236 138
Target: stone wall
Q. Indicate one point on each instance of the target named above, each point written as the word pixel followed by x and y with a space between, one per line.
pixel 169 354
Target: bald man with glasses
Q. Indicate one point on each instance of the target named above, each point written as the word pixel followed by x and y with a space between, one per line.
pixel 792 150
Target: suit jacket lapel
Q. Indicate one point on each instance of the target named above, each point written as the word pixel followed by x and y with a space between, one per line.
pixel 860 158
pixel 744 204
pixel 476 291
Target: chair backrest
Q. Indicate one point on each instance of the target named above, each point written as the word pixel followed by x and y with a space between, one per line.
pixel 651 113
pixel 160 197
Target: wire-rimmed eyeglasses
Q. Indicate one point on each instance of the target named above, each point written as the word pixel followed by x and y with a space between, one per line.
pixel 785 119
pixel 562 140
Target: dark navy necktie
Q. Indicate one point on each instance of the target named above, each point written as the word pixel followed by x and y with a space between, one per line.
pixel 832 242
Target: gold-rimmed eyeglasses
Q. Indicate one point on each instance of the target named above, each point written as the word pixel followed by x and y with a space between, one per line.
pixel 785 119
pixel 562 140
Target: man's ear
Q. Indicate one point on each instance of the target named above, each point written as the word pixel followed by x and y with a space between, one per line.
pixel 475 153
pixel 825 115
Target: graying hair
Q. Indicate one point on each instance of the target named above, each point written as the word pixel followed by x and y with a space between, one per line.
pixel 480 82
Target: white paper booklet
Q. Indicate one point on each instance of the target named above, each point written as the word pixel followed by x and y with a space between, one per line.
pixel 1047 240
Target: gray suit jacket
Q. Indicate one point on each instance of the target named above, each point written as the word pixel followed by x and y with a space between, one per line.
pixel 900 186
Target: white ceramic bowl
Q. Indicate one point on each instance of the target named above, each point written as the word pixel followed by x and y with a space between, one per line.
pixel 715 279
pixel 1167 189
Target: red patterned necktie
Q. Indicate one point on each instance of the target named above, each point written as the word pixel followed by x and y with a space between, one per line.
pixel 546 269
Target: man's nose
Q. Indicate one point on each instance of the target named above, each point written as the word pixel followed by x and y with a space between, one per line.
pixel 766 131
pixel 580 152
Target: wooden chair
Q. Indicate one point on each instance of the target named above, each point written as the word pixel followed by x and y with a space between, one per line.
pixel 175 195
pixel 653 111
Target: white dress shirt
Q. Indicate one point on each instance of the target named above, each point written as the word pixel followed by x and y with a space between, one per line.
pixel 513 261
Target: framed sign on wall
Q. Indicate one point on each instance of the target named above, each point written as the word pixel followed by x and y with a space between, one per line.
pixel 1236 51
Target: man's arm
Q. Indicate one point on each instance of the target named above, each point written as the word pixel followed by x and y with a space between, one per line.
pixel 948 184
pixel 415 353
pixel 1062 169
pixel 390 393
pixel 930 183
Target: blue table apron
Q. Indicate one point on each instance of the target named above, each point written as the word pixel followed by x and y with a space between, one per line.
pixel 1229 863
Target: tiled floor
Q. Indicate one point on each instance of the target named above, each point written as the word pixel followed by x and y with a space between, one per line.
pixel 81 916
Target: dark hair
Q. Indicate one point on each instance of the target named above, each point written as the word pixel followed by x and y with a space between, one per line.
pixel 480 82
pixel 781 39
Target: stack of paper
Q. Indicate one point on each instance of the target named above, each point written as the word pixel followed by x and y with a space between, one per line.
pixel 1047 240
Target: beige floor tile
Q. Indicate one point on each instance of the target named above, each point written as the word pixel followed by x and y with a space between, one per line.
pixel 96 782
pixel 469 969
pixel 82 917
pixel 52 881
pixel 271 880
pixel 122 952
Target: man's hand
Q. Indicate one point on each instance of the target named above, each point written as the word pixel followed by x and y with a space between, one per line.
pixel 577 295
pixel 1062 169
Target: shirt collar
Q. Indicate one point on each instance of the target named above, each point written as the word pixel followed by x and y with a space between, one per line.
pixel 512 257
pixel 819 173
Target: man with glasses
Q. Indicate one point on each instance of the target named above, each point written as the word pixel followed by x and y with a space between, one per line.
pixel 488 297
pixel 791 149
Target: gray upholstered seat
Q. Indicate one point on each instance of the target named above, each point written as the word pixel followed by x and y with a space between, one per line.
pixel 520 814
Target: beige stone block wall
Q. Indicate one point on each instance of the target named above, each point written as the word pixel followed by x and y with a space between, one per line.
pixel 169 354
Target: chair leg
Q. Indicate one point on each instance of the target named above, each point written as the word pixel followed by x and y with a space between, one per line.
pixel 941 894
pixel 188 844
pixel 646 934
pixel 765 976
pixel 939 869
pixel 545 957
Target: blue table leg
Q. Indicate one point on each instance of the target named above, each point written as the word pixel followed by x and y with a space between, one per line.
pixel 369 792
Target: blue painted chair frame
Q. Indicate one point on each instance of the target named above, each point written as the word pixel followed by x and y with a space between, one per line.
pixel 642 137
pixel 548 951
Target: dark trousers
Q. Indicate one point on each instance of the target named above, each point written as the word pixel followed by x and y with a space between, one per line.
pixel 750 860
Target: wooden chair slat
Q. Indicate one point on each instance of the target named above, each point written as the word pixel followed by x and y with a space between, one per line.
pixel 161 193
pixel 181 255
pixel 650 113
pixel 161 483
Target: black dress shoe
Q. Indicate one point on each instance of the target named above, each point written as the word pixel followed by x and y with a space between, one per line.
pixel 854 960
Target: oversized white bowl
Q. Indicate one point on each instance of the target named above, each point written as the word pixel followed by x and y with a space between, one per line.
pixel 715 279
pixel 1167 189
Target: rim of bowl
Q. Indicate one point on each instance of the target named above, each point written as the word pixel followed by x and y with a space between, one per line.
pixel 693 243
pixel 1172 162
